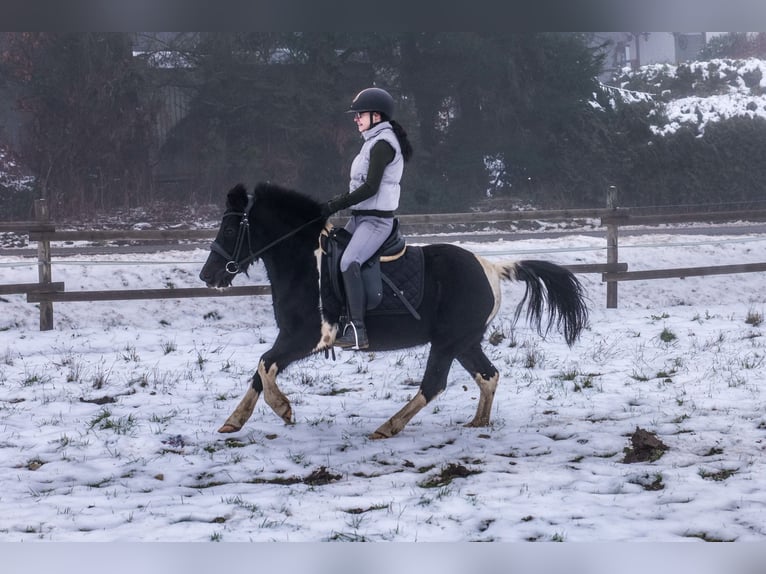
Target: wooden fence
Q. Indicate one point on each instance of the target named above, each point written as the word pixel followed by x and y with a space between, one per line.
pixel 618 218
pixel 46 291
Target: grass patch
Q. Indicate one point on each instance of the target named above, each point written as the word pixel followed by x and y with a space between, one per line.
pixel 347 537
pixel 335 391
pixel 532 358
pixel 496 338
pixel 667 336
pixel 318 477
pixel 569 375
pixel 649 482
pixel 34 378
pixel 586 383
pixel 708 537
pixel 718 476
pixel 368 509
pixel 446 475
pixel 104 421
pixel 168 347
pixel 754 318
pixel 234 443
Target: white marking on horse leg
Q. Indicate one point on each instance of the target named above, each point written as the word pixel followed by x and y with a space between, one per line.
pixel 397 422
pixel 271 393
pixel 244 409
pixel 329 332
pixel 487 388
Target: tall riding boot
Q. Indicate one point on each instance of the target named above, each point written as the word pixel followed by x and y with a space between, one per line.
pixel 354 333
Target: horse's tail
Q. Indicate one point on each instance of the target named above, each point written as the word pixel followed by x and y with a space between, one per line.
pixel 552 286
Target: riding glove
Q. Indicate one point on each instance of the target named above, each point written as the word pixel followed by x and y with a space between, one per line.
pixel 333 206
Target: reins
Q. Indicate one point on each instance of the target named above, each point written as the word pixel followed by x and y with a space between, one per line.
pixel 234 265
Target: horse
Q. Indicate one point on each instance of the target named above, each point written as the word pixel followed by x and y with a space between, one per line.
pixel 461 295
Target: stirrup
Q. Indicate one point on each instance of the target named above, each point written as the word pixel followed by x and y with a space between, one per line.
pixel 352 339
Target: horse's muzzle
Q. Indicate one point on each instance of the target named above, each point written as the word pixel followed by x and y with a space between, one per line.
pixel 218 278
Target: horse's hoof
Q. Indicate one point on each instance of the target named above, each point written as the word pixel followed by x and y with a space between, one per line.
pixel 288 417
pixel 377 435
pixel 228 428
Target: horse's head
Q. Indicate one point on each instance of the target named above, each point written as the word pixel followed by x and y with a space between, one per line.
pixel 232 251
pixel 275 225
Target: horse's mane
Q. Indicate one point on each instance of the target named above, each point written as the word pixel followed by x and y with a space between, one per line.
pixel 283 200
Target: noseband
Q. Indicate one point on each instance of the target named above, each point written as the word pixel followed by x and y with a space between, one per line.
pixel 238 260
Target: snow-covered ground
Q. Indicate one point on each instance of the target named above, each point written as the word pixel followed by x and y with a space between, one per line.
pixel 109 421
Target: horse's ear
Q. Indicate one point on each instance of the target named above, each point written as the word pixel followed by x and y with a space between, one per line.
pixel 237 197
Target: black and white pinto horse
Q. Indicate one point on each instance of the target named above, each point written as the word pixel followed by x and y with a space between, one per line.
pixel 461 295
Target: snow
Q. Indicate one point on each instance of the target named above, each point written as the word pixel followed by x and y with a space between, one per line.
pixel 681 358
pixel 701 111
pixel 13 176
pixel 732 95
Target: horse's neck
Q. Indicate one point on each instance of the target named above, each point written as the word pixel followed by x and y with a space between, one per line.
pixel 294 279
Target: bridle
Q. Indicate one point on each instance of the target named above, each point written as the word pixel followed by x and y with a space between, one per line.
pixel 239 260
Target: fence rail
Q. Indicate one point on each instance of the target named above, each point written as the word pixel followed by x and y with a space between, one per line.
pixel 31 288
pixel 124 235
pixel 137 294
pixel 624 217
pixel 25 226
pixel 682 272
pixel 46 292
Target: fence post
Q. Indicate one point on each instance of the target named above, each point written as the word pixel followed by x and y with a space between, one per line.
pixel 611 248
pixel 44 265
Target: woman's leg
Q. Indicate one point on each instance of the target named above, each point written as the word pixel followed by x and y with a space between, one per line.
pixel 369 235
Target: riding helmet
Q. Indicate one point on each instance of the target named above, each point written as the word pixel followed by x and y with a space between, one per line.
pixel 373 100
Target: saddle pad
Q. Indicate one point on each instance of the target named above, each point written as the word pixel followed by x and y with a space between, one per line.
pixel 407 274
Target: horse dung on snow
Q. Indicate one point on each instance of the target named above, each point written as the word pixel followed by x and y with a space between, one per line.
pixel 451 295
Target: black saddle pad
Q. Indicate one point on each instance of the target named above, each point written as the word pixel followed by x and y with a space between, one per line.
pixel 406 273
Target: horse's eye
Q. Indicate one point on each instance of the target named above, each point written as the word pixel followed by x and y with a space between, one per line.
pixel 229 232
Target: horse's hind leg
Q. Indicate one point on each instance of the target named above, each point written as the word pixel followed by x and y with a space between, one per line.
pixel 434 382
pixel 486 376
pixel 397 422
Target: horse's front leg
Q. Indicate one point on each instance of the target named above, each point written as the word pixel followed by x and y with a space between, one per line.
pixel 275 398
pixel 263 382
pixel 244 410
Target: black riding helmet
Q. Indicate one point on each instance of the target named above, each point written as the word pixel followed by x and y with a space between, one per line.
pixel 373 100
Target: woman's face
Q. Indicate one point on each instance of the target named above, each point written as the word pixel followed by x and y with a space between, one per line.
pixel 364 120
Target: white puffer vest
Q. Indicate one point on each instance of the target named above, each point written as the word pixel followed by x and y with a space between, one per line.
pixel 387 197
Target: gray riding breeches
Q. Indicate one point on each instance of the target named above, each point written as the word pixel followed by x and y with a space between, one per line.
pixel 367 235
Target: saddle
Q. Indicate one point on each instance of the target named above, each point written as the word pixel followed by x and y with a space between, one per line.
pixel 392 278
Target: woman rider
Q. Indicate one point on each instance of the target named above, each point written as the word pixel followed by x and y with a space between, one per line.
pixel 374 189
